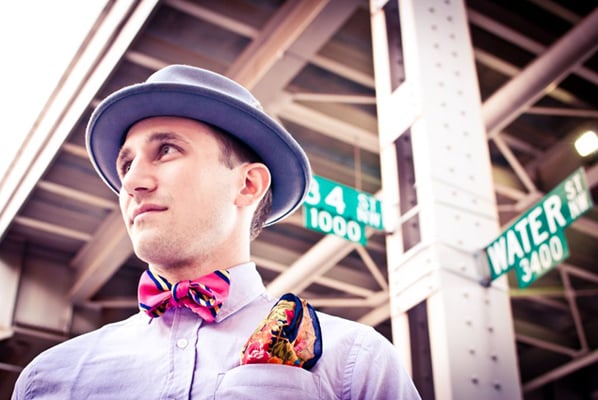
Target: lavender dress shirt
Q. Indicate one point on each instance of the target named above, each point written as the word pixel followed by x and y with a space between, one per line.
pixel 178 356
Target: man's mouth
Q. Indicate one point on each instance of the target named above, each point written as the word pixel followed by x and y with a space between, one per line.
pixel 145 209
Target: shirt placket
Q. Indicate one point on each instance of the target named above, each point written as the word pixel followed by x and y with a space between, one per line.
pixel 183 355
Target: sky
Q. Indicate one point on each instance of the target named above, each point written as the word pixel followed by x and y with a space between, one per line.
pixel 38 39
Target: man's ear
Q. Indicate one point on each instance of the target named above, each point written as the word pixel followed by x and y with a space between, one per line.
pixel 255 185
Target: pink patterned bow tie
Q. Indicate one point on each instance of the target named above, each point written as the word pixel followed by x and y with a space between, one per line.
pixel 203 296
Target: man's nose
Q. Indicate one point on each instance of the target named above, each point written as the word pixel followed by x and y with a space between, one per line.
pixel 139 178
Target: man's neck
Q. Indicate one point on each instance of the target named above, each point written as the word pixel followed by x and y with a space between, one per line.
pixel 176 273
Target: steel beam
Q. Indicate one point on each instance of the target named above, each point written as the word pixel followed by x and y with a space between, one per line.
pixel 100 258
pixel 561 371
pixel 541 75
pixel 274 39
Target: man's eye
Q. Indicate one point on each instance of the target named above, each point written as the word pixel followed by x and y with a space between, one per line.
pixel 125 167
pixel 166 149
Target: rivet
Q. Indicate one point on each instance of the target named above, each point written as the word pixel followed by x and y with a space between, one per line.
pixel 474 380
pixel 497 386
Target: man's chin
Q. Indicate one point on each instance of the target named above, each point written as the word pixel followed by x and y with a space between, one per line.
pixel 149 247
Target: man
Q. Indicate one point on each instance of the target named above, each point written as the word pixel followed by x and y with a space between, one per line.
pixel 199 169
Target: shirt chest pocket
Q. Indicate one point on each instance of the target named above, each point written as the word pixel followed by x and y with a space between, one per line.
pixel 267 381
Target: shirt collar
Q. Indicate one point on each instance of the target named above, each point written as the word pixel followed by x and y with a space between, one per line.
pixel 245 286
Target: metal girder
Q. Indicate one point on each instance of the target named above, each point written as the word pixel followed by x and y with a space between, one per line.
pixel 557 9
pixel 77 195
pixel 298 54
pixel 510 70
pixel 217 19
pixel 316 261
pixel 274 39
pixel 561 371
pixel 544 72
pixel 564 112
pixel 355 290
pixel 546 345
pixel 100 258
pixel 329 126
pixel 51 228
pixel 511 35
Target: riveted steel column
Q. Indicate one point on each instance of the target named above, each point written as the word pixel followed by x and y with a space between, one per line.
pixel 439 203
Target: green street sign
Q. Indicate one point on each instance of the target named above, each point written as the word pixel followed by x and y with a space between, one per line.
pixel 333 208
pixel 535 242
pixel 548 254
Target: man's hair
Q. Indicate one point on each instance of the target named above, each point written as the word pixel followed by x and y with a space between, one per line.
pixel 233 151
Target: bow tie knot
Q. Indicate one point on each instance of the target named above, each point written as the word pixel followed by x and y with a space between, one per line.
pixel 203 296
pixel 180 290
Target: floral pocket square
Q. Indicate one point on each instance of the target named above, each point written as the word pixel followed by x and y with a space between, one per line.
pixel 289 335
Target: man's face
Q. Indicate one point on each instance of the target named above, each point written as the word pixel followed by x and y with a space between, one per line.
pixel 177 197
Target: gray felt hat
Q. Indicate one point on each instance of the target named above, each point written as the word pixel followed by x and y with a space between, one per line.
pixel 195 93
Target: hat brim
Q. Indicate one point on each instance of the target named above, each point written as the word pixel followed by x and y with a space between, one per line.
pixel 288 164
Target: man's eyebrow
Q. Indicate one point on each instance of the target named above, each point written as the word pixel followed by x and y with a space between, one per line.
pixel 125 152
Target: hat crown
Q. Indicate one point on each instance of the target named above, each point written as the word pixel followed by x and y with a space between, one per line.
pixel 207 80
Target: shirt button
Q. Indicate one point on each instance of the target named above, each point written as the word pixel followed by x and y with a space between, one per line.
pixel 182 343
